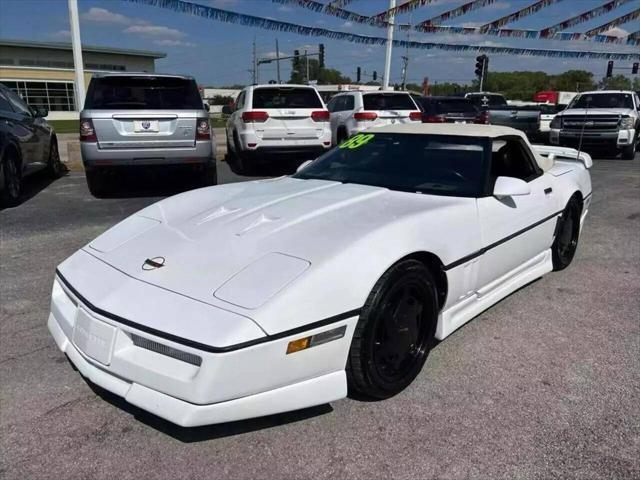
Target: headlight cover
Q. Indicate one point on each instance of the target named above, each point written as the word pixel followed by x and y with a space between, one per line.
pixel 626 122
pixel 556 122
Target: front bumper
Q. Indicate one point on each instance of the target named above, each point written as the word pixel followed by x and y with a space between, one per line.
pixel 258 380
pixel 603 139
pixel 93 156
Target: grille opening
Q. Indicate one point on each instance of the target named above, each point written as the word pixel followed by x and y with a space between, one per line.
pixel 147 344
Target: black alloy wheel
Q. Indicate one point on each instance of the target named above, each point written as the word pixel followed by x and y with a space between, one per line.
pixel 12 188
pixel 395 331
pixel 565 243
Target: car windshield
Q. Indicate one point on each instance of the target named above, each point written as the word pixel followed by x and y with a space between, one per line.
pixel 286 98
pixel 433 164
pixel 603 100
pixel 143 93
pixel 388 101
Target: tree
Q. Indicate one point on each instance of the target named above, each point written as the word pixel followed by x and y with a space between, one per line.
pixel 572 81
pixel 617 82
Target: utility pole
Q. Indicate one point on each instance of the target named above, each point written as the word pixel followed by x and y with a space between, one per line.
pixel 278 61
pixel 255 63
pixel 306 57
pixel 387 59
pixel 405 58
pixel 76 45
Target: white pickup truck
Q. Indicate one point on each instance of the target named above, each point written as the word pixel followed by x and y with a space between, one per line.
pixel 602 120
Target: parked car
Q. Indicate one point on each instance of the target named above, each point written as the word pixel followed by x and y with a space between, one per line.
pixel 27 144
pixel 497 111
pixel 600 120
pixel 354 111
pixel 276 122
pixel 143 119
pixel 450 110
pixel 255 298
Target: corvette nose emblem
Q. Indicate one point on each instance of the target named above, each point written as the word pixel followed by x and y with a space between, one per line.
pixel 153 263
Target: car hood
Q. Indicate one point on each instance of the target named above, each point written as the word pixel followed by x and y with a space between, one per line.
pixel 597 111
pixel 243 243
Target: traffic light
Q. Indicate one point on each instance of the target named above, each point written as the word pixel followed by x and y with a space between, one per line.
pixel 482 62
pixel 610 69
pixel 634 69
pixel 321 55
pixel 375 75
pixel 358 74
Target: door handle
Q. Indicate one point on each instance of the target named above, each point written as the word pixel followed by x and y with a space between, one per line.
pixel 548 190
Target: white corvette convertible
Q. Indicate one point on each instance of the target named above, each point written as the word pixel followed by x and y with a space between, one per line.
pixel 254 298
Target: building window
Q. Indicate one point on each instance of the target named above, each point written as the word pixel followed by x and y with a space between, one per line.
pixel 55 96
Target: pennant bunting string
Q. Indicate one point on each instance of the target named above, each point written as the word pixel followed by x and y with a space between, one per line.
pixel 456 12
pixel 614 23
pixel 523 12
pixel 583 17
pixel 226 16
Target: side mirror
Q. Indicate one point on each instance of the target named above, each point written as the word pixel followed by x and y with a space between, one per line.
pixel 510 187
pixel 303 165
pixel 227 110
pixel 41 112
pixel 206 107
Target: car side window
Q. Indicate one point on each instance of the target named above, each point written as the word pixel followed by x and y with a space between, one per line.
pixel 331 106
pixel 5 106
pixel 18 104
pixel 349 103
pixel 240 101
pixel 338 106
pixel 509 158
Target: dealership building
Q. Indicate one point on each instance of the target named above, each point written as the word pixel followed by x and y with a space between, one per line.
pixel 43 75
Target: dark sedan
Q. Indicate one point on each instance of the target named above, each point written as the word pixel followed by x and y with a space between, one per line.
pixel 27 144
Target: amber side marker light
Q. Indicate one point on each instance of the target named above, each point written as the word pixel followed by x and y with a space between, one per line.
pixel 315 340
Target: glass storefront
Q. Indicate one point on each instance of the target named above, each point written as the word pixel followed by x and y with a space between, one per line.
pixel 55 96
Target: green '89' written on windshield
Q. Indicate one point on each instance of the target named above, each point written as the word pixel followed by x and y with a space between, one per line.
pixel 357 141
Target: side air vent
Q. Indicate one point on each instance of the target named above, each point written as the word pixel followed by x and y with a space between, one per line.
pixel 147 344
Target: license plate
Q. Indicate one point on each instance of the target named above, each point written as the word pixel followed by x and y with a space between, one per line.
pixel 460 121
pixel 93 337
pixel 144 126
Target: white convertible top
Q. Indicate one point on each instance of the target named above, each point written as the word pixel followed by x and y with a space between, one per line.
pixel 465 130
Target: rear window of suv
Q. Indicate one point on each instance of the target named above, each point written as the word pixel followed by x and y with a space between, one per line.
pixel 388 101
pixel 143 93
pixel 286 98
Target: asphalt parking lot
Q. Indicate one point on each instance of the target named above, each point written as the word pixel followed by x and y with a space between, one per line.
pixel 546 384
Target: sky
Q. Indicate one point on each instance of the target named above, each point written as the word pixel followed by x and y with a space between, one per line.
pixel 219 54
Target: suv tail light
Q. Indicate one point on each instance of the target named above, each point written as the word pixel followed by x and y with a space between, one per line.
pixel 87 132
pixel 484 118
pixel 255 116
pixel 415 116
pixel 320 116
pixel 365 116
pixel 203 129
pixel 434 119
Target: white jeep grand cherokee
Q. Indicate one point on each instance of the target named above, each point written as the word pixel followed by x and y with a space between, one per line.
pixel 276 122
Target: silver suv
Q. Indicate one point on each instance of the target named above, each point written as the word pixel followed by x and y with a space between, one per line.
pixel 144 119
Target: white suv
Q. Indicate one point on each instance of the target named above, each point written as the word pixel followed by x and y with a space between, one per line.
pixel 352 112
pixel 276 122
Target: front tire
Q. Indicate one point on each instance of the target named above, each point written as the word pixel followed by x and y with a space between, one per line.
pixel 628 153
pixel 395 331
pixel 565 242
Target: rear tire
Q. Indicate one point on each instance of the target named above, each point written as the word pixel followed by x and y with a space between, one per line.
pixel 208 176
pixel 55 168
pixel 565 242
pixel 12 188
pixel 395 331
pixel 629 153
pixel 96 182
pixel 234 158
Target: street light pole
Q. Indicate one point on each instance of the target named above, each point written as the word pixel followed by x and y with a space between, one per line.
pixel 76 45
pixel 387 59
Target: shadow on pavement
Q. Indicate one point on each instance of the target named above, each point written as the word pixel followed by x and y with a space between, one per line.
pixel 32 185
pixel 208 432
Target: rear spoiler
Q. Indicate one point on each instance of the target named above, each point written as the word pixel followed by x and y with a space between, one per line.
pixel 563 153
